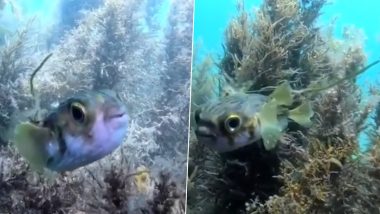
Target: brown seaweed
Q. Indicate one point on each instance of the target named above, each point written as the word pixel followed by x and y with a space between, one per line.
pixel 316 170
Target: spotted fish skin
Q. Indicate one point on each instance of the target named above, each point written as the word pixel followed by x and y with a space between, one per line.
pixel 213 131
pixel 83 128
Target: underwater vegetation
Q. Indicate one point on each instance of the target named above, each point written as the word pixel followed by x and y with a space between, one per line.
pixel 313 169
pixel 148 65
pixel 70 12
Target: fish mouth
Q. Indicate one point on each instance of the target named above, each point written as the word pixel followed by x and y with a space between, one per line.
pixel 118 115
pixel 205 132
pixel 121 116
pixel 116 112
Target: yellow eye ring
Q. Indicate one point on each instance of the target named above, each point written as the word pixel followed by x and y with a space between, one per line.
pixel 232 123
pixel 78 112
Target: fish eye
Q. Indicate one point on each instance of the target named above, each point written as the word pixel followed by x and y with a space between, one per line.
pixel 232 123
pixel 78 112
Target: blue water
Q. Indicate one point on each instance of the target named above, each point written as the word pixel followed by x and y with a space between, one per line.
pixel 49 15
pixel 211 18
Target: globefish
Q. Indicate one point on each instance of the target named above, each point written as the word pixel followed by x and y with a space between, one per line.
pixel 241 119
pixel 82 129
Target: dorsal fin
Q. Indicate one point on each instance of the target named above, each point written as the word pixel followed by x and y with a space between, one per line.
pixel 283 94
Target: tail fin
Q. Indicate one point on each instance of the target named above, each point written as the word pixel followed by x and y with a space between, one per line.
pixel 302 114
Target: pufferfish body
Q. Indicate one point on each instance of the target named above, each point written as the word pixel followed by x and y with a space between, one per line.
pixel 82 129
pixel 241 119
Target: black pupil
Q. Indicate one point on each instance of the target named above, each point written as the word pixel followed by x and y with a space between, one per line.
pixel 77 113
pixel 234 123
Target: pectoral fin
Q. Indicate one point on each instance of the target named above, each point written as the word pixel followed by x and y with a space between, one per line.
pixel 270 127
pixel 30 141
pixel 302 114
